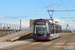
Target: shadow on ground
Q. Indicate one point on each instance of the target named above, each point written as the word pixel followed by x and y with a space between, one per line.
pixel 28 36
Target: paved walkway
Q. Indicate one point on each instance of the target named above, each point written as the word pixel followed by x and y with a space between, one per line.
pixel 17 43
pixel 10 36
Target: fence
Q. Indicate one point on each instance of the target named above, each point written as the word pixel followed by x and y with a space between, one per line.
pixel 9 26
pixel 12 30
pixel 22 31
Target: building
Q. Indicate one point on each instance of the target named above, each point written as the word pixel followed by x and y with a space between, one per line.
pixel 31 23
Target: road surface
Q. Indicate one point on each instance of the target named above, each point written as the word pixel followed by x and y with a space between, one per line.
pixel 66 42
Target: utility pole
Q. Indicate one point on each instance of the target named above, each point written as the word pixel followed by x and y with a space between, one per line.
pixel 40 15
pixel 20 24
pixel 56 11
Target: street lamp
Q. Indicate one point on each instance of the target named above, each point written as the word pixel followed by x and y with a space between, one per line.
pixel 40 15
pixel 70 25
pixel 67 26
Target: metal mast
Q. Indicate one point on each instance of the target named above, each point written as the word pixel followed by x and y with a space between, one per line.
pixel 20 24
pixel 56 11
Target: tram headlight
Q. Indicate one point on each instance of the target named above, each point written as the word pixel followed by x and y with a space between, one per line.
pixel 44 35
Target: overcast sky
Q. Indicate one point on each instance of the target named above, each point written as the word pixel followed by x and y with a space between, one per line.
pixel 11 11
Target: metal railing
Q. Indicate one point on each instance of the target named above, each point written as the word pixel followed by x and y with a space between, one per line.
pixel 9 26
pixel 14 30
pixel 18 33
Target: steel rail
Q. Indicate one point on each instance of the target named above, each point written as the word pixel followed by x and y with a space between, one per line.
pixel 27 44
pixel 40 44
pixel 66 42
pixel 53 44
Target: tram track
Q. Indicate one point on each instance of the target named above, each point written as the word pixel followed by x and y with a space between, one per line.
pixel 20 45
pixel 43 43
pixel 57 42
pixel 66 42
pixel 33 45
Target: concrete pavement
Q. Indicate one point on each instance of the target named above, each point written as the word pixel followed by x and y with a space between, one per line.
pixel 30 43
pixel 14 37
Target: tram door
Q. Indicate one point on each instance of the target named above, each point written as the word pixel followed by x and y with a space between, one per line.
pixel 52 30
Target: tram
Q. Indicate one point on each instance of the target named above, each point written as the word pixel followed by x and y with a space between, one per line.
pixel 44 30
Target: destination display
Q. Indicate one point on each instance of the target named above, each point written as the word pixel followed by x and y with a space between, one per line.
pixel 40 22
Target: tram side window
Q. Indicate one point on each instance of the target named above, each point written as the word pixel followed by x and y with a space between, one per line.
pixel 53 30
pixel 60 30
pixel 56 30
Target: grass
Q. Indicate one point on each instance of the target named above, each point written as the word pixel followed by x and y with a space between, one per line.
pixel 64 32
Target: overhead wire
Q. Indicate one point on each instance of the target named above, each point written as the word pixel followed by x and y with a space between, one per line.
pixel 44 4
pixel 46 7
pixel 66 8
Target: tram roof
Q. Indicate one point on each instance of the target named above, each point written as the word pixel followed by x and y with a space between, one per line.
pixel 37 20
pixel 55 24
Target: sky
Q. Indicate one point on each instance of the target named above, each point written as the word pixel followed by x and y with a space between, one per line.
pixel 11 11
